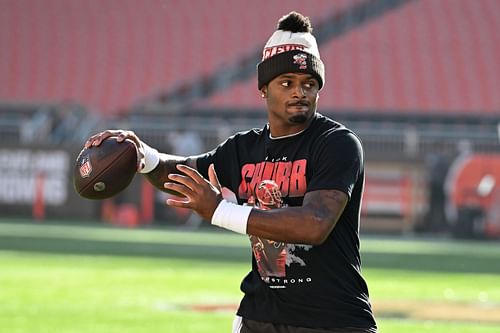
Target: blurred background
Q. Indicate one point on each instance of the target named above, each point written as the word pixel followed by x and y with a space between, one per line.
pixel 418 80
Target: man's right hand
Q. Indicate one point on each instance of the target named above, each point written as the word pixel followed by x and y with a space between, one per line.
pixel 121 135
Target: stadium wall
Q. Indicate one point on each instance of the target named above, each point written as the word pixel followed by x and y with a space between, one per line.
pixel 36 181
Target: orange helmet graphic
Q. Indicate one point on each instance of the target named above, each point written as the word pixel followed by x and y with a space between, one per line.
pixel 268 194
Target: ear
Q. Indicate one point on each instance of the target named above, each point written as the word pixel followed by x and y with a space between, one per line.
pixel 263 92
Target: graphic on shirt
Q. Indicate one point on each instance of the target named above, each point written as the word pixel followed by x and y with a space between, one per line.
pixel 269 255
pixel 272 257
pixel 290 176
pixel 291 257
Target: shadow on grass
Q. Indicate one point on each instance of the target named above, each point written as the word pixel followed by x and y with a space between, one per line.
pixel 117 248
pixel 457 262
pixel 450 263
pixel 469 257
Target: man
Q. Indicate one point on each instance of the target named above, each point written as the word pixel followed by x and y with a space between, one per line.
pixel 317 164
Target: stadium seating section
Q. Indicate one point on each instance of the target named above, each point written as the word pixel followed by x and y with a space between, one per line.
pixel 420 56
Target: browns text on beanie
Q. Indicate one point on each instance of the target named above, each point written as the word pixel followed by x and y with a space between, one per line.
pixel 290 49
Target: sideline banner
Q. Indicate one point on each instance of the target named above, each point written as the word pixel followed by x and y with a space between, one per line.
pixel 41 175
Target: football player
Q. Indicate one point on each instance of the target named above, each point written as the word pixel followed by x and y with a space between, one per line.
pixel 316 162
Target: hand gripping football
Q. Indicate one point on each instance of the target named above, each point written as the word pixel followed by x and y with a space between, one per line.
pixel 102 172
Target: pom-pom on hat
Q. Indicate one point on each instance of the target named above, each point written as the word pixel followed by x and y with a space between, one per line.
pixel 290 49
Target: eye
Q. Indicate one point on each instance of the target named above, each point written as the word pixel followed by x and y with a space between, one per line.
pixel 285 83
pixel 309 84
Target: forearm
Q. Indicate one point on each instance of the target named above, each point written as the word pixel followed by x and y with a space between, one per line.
pixel 300 225
pixel 167 165
pixel 310 223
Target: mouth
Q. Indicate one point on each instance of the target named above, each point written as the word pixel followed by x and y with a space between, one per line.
pixel 298 106
pixel 298 111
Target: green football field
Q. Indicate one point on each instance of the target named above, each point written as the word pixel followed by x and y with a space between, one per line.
pixel 73 278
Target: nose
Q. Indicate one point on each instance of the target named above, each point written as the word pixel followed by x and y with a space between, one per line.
pixel 299 91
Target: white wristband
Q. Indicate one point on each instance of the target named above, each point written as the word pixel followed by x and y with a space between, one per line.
pixel 151 158
pixel 231 216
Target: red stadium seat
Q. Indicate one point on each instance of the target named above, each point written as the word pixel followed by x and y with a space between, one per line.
pixel 109 55
pixel 436 57
pixel 420 57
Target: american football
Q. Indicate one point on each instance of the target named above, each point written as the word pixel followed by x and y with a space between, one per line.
pixel 102 172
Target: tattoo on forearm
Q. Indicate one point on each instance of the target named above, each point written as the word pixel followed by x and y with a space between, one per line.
pixel 327 203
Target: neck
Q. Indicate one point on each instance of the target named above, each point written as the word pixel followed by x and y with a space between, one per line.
pixel 280 132
pixel 277 137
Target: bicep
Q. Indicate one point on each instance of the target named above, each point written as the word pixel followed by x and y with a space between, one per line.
pixel 338 162
pixel 326 206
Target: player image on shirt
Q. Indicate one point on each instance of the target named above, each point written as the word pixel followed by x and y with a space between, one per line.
pixel 270 255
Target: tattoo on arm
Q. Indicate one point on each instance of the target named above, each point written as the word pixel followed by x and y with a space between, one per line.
pixel 327 204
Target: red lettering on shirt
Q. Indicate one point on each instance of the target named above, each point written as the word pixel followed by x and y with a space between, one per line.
pixel 290 177
pixel 247 172
pixel 298 182
pixel 282 176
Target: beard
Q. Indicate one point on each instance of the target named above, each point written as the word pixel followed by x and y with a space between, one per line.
pixel 298 119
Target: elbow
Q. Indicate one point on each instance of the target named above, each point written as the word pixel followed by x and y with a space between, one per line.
pixel 322 221
pixel 320 231
pixel 318 239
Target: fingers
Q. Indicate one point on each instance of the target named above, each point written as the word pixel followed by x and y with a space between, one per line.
pixel 141 155
pixel 190 184
pixel 180 202
pixel 96 139
pixel 140 163
pixel 184 198
pixel 195 192
pixel 191 173
pixel 212 177
pixel 181 184
pixel 194 180
pixel 121 135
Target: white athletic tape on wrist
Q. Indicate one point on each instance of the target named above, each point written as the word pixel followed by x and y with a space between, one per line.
pixel 231 216
pixel 151 158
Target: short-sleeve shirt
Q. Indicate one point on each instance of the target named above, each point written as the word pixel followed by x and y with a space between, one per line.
pixel 322 286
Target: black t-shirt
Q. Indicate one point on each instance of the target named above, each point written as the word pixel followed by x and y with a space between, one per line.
pixel 322 286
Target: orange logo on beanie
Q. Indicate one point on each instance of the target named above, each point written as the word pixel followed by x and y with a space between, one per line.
pixel 300 59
